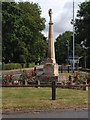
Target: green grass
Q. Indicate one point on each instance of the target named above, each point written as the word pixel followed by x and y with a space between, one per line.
pixel 27 98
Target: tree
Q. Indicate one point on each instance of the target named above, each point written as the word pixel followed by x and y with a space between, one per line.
pixel 10 12
pixel 61 46
pixel 82 26
pixel 22 25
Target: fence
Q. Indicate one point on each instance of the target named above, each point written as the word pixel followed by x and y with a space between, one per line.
pixel 58 85
pixel 69 68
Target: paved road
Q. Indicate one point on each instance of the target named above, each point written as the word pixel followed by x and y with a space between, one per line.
pixel 50 114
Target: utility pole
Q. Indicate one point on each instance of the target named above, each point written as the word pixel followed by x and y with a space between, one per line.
pixel 85 59
pixel 73 40
pixel 68 51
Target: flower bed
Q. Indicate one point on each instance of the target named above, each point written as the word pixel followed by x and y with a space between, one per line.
pixel 27 78
pixel 13 79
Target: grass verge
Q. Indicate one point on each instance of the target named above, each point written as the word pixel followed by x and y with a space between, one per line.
pixel 20 99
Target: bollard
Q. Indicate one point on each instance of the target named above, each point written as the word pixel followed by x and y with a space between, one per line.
pixel 26 83
pixel 68 69
pixel 34 68
pixel 61 69
pixel 19 82
pixel 53 90
pixel 35 71
pixel 37 84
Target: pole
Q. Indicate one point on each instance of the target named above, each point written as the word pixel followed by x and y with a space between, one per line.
pixel 53 90
pixel 85 59
pixel 68 50
pixel 73 38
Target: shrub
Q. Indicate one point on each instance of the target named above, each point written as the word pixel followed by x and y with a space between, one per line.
pixel 88 79
pixel 11 66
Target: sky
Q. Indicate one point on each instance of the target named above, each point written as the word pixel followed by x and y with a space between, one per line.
pixel 62 14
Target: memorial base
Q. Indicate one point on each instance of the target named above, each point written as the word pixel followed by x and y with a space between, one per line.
pixel 51 69
pixel 47 78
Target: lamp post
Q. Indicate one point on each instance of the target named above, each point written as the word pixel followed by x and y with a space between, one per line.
pixel 68 51
pixel 73 40
pixel 85 50
pixel 85 59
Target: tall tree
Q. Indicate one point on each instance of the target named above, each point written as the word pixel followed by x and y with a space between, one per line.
pixel 82 27
pixel 10 17
pixel 61 47
pixel 22 25
pixel 64 47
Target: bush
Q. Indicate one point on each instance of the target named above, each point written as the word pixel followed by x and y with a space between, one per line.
pixel 88 79
pixel 31 65
pixel 11 66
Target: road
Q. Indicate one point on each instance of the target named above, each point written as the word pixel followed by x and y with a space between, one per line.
pixel 49 114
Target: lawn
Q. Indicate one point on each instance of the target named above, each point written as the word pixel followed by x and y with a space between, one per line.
pixel 27 98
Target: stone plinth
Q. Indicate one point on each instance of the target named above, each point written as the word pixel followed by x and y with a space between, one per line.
pixel 51 69
pixel 47 78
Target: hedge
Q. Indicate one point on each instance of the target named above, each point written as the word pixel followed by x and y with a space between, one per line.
pixel 11 66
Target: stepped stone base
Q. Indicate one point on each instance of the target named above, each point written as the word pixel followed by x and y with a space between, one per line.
pixel 51 69
pixel 47 78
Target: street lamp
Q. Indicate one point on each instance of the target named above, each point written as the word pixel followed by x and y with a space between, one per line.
pixel 73 40
pixel 85 59
pixel 68 51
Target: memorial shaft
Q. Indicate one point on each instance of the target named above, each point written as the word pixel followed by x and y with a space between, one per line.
pixel 51 49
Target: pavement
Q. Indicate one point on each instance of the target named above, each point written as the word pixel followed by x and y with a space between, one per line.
pixel 49 114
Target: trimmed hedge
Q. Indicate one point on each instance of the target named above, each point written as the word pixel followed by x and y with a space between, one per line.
pixel 11 66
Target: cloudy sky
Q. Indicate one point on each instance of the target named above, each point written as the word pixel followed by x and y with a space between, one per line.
pixel 62 13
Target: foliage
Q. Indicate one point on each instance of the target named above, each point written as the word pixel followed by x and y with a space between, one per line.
pixel 79 79
pixel 28 76
pixel 62 47
pixel 11 66
pixel 88 79
pixel 82 27
pixel 22 25
pixel 24 76
pixel 7 79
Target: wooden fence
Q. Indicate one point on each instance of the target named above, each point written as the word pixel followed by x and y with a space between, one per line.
pixel 58 85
